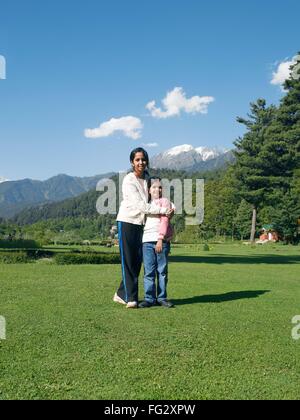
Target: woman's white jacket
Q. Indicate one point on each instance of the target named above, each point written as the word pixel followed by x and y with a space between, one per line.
pixel 134 206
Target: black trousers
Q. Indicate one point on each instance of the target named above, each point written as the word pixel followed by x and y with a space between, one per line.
pixel 130 242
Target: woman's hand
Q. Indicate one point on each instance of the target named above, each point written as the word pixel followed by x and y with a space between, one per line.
pixel 170 213
pixel 159 246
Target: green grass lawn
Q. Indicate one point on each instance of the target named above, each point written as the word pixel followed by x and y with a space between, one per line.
pixel 228 337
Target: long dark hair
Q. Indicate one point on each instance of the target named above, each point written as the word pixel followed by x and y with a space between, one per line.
pixel 146 156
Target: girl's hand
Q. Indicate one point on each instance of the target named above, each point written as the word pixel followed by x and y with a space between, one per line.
pixel 170 213
pixel 159 246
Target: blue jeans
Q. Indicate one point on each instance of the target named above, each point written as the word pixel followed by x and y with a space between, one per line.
pixel 155 264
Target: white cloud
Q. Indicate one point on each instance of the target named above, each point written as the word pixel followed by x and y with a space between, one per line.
pixel 176 102
pixel 129 126
pixel 283 72
pixel 150 145
pixel 2 179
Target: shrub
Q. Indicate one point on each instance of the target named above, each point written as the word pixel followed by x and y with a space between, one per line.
pixel 21 243
pixel 73 258
pixel 31 253
pixel 39 253
pixel 15 258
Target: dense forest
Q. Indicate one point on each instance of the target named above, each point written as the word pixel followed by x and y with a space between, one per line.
pixel 261 186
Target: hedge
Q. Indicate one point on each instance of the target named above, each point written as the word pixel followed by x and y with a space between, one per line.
pixel 73 258
pixel 20 243
pixel 15 258
pixel 31 253
pixel 18 256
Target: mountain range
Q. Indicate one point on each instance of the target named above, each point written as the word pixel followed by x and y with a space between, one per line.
pixel 191 159
pixel 83 207
pixel 16 196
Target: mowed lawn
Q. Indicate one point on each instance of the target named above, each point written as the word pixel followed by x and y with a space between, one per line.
pixel 229 336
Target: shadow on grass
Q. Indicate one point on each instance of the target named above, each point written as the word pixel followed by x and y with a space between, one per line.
pixel 237 259
pixel 226 297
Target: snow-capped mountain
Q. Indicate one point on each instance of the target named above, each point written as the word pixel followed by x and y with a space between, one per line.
pixel 187 157
pixel 2 179
pixel 185 148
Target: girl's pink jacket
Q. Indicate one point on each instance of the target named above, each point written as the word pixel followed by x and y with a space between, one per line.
pixel 165 228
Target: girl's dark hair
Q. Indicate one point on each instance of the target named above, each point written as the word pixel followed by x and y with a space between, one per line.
pixel 139 150
pixel 150 181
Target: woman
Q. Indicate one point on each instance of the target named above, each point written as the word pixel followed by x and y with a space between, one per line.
pixel 131 219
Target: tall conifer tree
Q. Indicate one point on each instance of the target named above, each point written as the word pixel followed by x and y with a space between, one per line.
pixel 251 165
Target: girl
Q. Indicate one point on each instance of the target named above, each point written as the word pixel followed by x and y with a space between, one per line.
pixel 156 248
pixel 130 220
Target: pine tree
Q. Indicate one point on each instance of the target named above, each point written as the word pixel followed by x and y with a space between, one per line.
pixel 242 220
pixel 251 164
pixel 221 202
pixel 282 146
pixel 281 150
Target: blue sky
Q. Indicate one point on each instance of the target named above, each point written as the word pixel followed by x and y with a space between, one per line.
pixel 75 65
